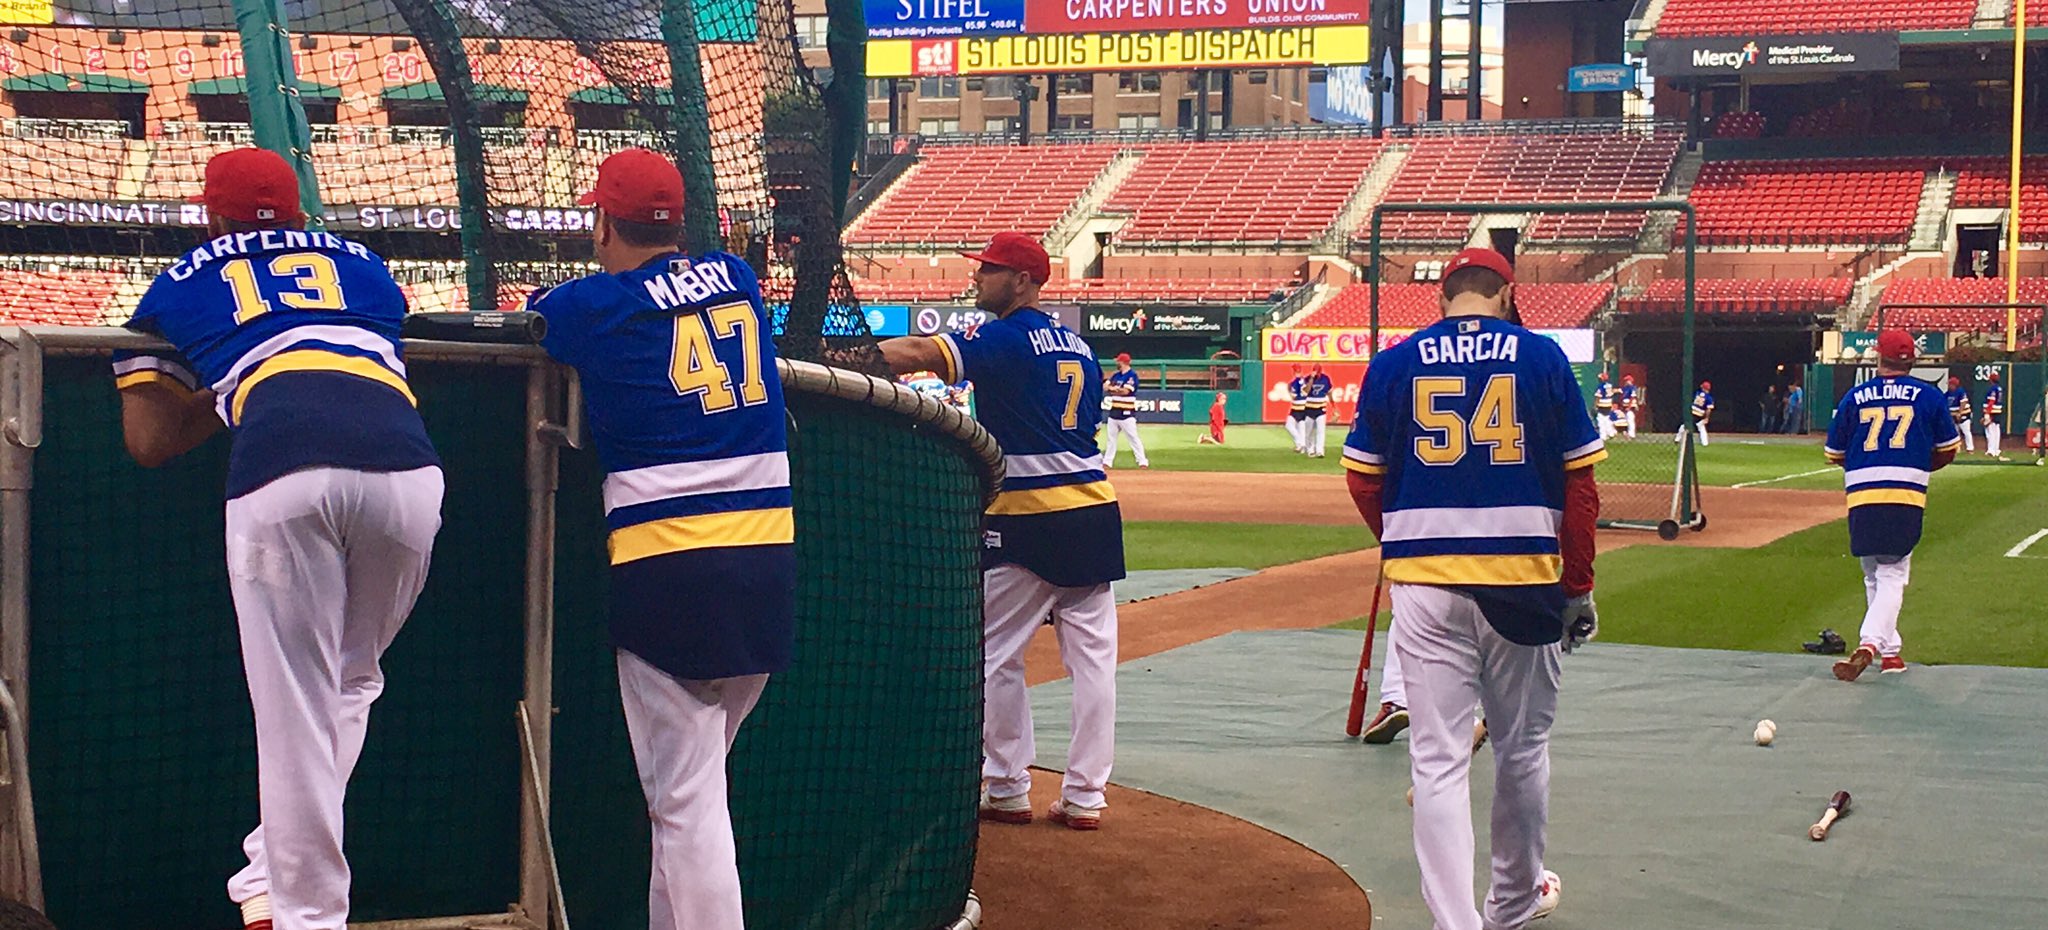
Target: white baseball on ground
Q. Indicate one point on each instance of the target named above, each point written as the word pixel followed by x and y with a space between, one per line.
pixel 1766 731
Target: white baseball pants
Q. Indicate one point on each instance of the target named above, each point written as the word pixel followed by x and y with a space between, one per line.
pixel 1628 419
pixel 1964 427
pixel 1314 430
pixel 1992 433
pixel 681 732
pixel 1701 425
pixel 324 565
pixel 1294 431
pixel 1015 602
pixel 1884 594
pixel 1129 429
pixel 1455 661
pixel 1393 690
pixel 1606 424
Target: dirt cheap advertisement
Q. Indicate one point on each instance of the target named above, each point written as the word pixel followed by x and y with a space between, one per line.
pixel 1345 379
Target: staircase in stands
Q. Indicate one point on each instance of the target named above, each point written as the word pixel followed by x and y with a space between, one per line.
pixel 1089 204
pixel 1993 14
pixel 1930 223
pixel 1657 231
pixel 1357 212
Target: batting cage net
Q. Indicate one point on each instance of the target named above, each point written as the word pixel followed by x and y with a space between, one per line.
pixel 1650 479
pixel 454 138
pixel 1992 350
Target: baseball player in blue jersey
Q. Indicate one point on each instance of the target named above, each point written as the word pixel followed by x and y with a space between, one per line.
pixel 1994 416
pixel 1297 410
pixel 1627 401
pixel 1315 404
pixel 290 340
pixel 686 412
pixel 1958 398
pixel 1122 389
pixel 1702 408
pixel 1889 435
pixel 1603 408
pixel 1053 539
pixel 1471 459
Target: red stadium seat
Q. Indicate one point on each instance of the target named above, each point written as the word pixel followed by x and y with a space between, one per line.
pixel 1526 169
pixel 1412 306
pixel 1725 297
pixel 962 195
pixel 1740 17
pixel 1808 202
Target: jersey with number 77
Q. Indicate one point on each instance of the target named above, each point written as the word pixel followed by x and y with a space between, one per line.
pixel 1884 435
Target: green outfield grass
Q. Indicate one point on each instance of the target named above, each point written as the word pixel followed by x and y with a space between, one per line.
pixel 1166 544
pixel 1260 449
pixel 1968 603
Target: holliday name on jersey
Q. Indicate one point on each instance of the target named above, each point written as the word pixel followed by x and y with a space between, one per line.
pixel 1047 341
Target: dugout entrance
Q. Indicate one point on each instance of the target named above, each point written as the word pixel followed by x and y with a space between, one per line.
pixel 1650 482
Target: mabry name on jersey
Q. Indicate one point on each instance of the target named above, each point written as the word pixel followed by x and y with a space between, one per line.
pixel 686 282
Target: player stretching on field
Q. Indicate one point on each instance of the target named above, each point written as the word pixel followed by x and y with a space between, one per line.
pixel 1297 410
pixel 686 412
pixel 1889 434
pixel 1702 408
pixel 1959 410
pixel 290 338
pixel 1054 536
pixel 1626 402
pixel 1994 416
pixel 1471 459
pixel 1122 389
pixel 1603 407
pixel 1315 405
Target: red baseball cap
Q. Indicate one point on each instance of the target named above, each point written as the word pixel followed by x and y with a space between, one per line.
pixel 1896 346
pixel 1481 258
pixel 251 186
pixel 638 186
pixel 1017 252
pixel 1124 357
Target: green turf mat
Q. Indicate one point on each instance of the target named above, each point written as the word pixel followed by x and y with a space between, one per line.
pixel 1141 585
pixel 1664 813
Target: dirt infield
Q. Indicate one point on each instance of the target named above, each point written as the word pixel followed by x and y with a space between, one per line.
pixel 1160 863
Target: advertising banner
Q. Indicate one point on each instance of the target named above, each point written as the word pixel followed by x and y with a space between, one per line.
pixel 1155 321
pixel 1820 53
pixel 931 19
pixel 1161 406
pixel 1345 96
pixel 932 320
pixel 887 319
pixel 1599 79
pixel 1305 345
pixel 1144 51
pixel 351 217
pixel 1042 16
pixel 1345 378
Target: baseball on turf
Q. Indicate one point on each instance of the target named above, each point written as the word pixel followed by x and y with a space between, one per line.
pixel 1411 795
pixel 1766 731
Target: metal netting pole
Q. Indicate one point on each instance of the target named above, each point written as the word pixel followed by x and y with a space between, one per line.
pixel 691 120
pixel 441 39
pixel 275 117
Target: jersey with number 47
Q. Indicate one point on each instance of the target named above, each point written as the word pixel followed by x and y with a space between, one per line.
pixel 1885 434
pixel 1473 422
pixel 686 411
pixel 1038 391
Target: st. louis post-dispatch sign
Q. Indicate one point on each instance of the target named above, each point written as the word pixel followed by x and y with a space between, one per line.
pixel 1120 51
pixel 932 19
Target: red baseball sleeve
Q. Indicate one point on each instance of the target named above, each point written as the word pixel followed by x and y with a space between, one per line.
pixel 1581 514
pixel 1365 492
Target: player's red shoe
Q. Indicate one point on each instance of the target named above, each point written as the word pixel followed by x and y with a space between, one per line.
pixel 1074 816
pixel 1850 668
pixel 1392 719
pixel 256 913
pixel 1006 810
pixel 1891 665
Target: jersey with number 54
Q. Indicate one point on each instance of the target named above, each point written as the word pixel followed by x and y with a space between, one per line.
pixel 1473 422
pixel 686 412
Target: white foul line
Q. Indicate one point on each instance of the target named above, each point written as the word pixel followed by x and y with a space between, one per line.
pixel 1803 474
pixel 2014 552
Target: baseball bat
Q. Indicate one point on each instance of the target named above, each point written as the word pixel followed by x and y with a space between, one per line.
pixel 1837 806
pixel 1354 723
pixel 518 327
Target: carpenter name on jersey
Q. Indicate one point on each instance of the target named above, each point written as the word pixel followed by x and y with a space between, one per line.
pixel 686 412
pixel 296 333
pixel 1474 422
pixel 1123 401
pixel 1885 434
pixel 1038 390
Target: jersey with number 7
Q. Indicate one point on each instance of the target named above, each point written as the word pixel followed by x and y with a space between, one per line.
pixel 686 412
pixel 1885 434
pixel 1038 391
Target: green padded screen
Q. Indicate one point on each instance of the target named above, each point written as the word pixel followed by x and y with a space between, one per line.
pixel 854 781
pixel 142 748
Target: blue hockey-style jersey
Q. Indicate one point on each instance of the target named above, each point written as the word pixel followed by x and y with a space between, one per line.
pixel 1603 397
pixel 1958 399
pixel 1702 404
pixel 686 412
pixel 1315 393
pixel 1123 405
pixel 1885 433
pixel 296 333
pixel 1038 390
pixel 1994 400
pixel 1474 422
